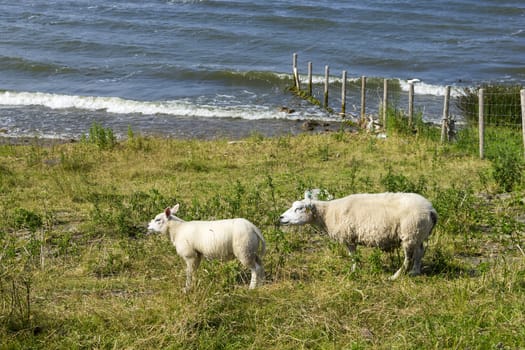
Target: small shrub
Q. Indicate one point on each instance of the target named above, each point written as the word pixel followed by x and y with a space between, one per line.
pixel 27 219
pixel 506 170
pixel 400 183
pixel 137 142
pixel 125 215
pixel 398 122
pixel 459 211
pixel 103 138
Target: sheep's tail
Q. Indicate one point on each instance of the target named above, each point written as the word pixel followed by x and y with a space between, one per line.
pixel 261 239
pixel 434 218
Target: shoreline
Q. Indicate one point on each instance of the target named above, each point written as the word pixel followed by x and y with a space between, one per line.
pixel 29 141
pixel 231 131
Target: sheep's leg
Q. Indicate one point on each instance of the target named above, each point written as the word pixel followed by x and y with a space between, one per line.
pixel 192 263
pixel 257 272
pixel 253 281
pixel 409 256
pixel 259 269
pixel 418 255
pixel 254 264
pixel 352 252
pixel 401 270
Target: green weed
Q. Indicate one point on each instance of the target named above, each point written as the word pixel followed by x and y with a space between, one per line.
pixel 125 215
pixel 103 138
pixel 136 142
pixel 400 183
pixel 507 169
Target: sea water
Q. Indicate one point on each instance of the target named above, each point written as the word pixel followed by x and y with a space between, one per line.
pixel 184 68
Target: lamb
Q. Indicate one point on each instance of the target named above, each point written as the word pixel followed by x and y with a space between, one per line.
pixel 219 239
pixel 384 220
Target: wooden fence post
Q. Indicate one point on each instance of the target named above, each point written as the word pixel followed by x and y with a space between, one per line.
pixel 385 102
pixel 309 78
pixel 326 82
pixel 295 72
pixel 410 103
pixel 343 95
pixel 363 100
pixel 481 123
pixel 522 94
pixel 444 122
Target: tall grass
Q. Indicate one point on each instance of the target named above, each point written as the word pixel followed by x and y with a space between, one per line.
pixel 77 270
pixel 502 104
pixel 503 141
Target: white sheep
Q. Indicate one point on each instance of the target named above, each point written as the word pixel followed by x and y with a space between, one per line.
pixel 219 239
pixel 384 220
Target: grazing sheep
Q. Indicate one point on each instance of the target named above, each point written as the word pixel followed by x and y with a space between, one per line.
pixel 384 220
pixel 220 239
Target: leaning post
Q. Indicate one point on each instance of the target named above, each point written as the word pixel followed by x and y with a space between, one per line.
pixel 444 122
pixel 481 123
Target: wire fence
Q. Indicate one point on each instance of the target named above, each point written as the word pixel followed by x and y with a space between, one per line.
pixel 490 117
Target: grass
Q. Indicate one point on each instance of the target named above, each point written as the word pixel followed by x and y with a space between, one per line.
pixel 77 271
pixel 501 104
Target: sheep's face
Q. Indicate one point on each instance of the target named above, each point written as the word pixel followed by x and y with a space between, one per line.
pixel 299 214
pixel 160 223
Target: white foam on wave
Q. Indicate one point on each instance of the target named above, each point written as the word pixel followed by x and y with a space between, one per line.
pixel 117 105
pixel 320 79
pixel 422 88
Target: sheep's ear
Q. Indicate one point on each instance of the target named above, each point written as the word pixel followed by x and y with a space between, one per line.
pixel 308 195
pixel 175 208
pixel 167 212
